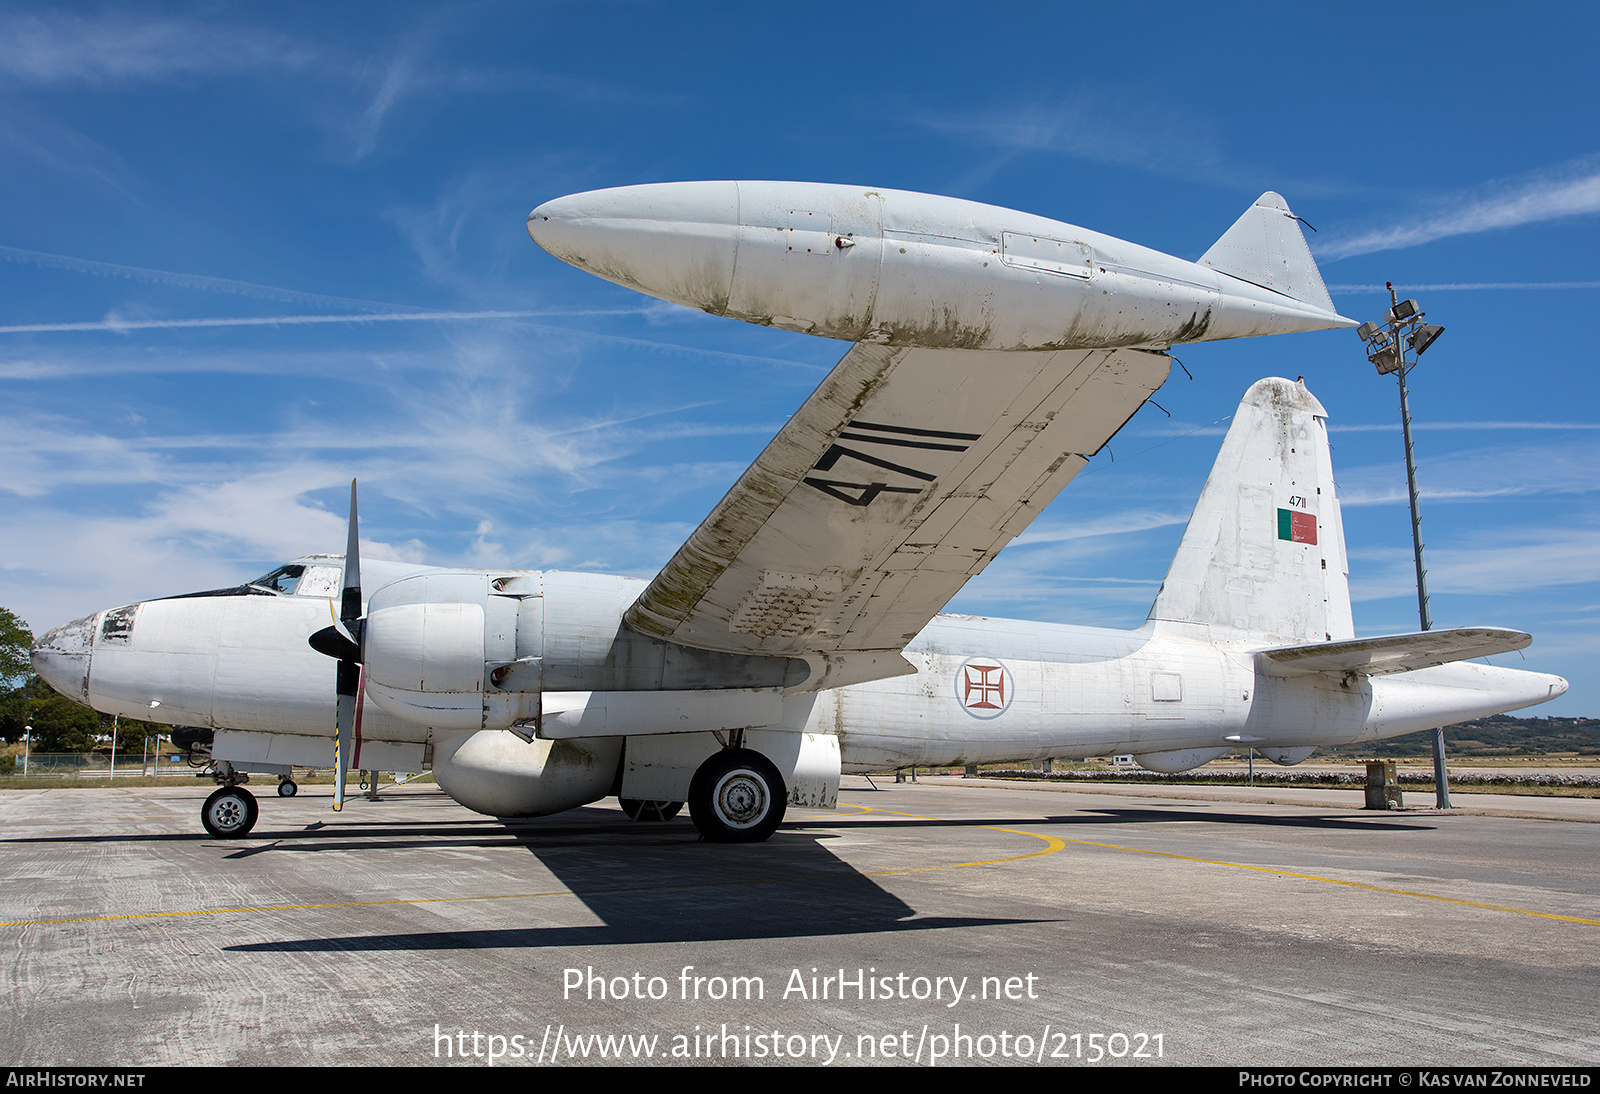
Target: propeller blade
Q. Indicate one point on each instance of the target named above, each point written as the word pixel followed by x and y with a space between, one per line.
pixel 350 597
pixel 349 689
pixel 347 647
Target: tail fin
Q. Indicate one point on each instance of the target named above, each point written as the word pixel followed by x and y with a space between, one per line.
pixel 1263 556
pixel 1266 247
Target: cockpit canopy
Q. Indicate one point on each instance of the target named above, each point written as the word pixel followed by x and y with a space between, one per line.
pixel 307 577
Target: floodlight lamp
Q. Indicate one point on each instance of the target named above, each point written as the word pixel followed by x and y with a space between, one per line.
pixel 1368 331
pixel 1403 310
pixel 1423 337
pixel 1385 360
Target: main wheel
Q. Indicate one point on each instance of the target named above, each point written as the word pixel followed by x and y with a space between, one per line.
pixel 230 813
pixel 737 796
pixel 649 810
pixel 288 788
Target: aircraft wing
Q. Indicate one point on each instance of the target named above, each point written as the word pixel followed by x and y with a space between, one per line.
pixel 1391 653
pixel 899 478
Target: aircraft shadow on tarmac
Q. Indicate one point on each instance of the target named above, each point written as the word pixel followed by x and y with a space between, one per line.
pixel 655 883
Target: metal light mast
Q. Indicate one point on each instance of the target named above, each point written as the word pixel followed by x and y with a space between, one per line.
pixel 1402 329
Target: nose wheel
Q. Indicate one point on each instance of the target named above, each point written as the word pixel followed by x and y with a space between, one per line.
pixel 230 813
pixel 649 810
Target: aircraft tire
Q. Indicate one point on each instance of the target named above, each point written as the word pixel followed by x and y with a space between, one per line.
pixel 640 810
pixel 737 796
pixel 288 788
pixel 230 813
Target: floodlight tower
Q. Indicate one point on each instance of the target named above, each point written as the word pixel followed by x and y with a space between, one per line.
pixel 1402 329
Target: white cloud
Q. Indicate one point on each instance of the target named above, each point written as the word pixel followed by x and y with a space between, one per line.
pixel 1091 126
pixel 63 49
pixel 1570 190
pixel 1115 524
pixel 1494 563
pixel 1504 471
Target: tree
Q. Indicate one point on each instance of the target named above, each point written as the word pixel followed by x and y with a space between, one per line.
pixel 59 724
pixel 15 642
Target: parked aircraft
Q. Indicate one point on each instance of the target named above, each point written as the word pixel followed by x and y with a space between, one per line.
pixel 793 636
pixel 529 692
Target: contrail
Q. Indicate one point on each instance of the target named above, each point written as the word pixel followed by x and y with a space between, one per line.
pixel 290 320
pixel 193 281
pixel 1460 426
pixel 121 325
pixel 1453 286
pixel 272 321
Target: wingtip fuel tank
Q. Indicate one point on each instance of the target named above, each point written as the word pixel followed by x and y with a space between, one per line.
pixel 903 268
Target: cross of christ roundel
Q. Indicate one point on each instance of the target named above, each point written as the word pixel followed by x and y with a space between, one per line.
pixel 984 687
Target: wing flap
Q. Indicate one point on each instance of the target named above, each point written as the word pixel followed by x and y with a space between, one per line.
pixel 1391 653
pixel 899 478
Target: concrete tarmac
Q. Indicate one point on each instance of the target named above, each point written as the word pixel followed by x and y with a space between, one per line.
pixel 937 922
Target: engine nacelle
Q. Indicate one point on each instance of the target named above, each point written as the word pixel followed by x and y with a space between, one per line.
pixel 436 647
pixel 501 775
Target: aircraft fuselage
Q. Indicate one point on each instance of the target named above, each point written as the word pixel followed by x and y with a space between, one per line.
pixel 983 690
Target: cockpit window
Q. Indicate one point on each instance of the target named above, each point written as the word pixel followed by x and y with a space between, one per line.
pixel 117 626
pixel 282 580
pixel 321 581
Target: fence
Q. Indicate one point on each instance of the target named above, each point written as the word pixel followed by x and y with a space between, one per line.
pixel 92 765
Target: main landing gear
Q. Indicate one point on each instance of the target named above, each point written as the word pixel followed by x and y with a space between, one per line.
pixel 737 796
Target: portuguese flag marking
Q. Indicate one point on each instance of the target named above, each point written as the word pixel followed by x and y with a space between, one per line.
pixel 1297 527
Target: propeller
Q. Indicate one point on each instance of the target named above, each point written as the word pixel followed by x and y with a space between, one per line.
pixel 342 641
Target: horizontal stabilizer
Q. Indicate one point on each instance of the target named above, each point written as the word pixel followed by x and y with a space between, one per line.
pixel 1266 248
pixel 1391 653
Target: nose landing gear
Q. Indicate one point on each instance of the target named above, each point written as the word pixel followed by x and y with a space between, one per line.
pixel 230 813
pixel 649 810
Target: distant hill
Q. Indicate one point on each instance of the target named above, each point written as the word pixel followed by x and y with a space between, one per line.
pixel 1498 735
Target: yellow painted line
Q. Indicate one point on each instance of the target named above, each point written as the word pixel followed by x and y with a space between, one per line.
pixel 1348 884
pixel 1053 845
pixel 1255 869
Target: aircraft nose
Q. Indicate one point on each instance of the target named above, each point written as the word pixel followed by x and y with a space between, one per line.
pixel 61 657
pixel 550 222
pixel 676 241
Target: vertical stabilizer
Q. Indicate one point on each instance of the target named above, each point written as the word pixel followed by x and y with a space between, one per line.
pixel 1263 556
pixel 1267 248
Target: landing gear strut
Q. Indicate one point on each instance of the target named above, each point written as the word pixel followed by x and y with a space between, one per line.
pixel 737 796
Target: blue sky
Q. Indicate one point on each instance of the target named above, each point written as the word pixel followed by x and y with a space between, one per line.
pixel 247 253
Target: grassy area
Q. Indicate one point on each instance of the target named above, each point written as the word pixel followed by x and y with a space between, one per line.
pixel 1539 784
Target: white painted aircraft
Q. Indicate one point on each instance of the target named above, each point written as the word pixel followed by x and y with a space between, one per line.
pixel 794 636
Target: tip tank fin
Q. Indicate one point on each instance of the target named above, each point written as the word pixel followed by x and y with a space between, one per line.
pixel 1267 248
